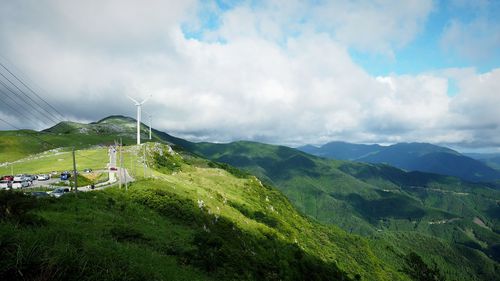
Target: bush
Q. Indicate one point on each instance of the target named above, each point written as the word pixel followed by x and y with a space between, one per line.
pixel 416 268
pixel 124 233
pixel 16 207
pixel 230 169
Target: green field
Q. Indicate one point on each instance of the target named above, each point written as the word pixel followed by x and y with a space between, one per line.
pixel 58 160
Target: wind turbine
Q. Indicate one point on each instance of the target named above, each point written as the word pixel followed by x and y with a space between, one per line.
pixel 138 104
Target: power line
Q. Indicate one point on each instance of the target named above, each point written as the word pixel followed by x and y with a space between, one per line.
pixel 21 91
pixel 20 106
pixel 29 88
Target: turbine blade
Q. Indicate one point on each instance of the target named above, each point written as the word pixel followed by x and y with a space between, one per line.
pixel 146 99
pixel 136 103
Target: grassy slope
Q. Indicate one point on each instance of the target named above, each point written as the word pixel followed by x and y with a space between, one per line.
pixel 58 160
pixel 156 230
pixel 334 192
pixel 371 198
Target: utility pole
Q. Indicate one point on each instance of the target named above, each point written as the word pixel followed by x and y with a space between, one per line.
pixel 122 170
pixel 74 170
pixel 119 159
pixel 144 161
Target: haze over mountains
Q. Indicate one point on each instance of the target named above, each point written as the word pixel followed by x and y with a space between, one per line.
pixel 422 157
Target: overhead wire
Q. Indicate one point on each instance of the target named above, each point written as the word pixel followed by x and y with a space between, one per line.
pixel 25 101
pixel 61 117
pixel 51 118
pixel 20 107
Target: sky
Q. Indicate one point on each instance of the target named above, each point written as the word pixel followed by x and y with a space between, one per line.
pixel 284 71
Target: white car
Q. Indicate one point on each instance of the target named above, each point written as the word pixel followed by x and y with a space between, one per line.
pixel 5 184
pixel 20 184
pixel 20 177
pixel 43 177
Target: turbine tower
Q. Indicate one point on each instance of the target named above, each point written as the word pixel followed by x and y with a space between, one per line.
pixel 150 124
pixel 139 104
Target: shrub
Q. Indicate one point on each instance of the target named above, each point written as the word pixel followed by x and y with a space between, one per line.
pixel 16 207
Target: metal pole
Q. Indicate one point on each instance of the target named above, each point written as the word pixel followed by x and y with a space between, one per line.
pixel 125 176
pixel 150 124
pixel 119 159
pixel 144 161
pixel 122 170
pixel 138 124
pixel 74 170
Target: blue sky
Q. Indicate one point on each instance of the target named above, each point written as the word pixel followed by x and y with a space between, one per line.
pixel 280 71
pixel 426 52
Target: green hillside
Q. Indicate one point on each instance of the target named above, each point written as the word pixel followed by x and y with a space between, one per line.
pixel 373 199
pixel 188 220
pixel 406 219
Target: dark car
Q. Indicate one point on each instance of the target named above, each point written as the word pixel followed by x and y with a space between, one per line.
pixel 65 176
pixel 39 194
pixel 88 170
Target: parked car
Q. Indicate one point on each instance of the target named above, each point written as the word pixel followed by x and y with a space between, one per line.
pixel 88 170
pixel 58 192
pixel 113 169
pixel 5 184
pixel 7 178
pixel 19 177
pixel 65 176
pixel 43 177
pixel 39 194
pixel 20 184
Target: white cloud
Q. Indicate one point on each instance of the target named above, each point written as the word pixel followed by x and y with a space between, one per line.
pixel 259 84
pixel 476 41
pixel 375 26
pixel 475 37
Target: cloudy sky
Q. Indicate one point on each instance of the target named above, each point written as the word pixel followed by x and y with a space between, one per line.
pixel 284 71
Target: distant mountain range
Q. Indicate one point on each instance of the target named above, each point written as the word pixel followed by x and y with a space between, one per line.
pixel 422 157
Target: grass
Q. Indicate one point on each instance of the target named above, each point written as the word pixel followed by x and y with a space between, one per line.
pixel 58 160
pixel 368 199
pixel 354 196
pixel 158 229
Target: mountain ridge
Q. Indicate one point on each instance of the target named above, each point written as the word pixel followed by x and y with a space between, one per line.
pixel 423 157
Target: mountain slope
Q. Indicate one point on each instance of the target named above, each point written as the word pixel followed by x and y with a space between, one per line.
pixel 367 199
pixel 412 157
pixel 188 219
pixel 446 221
